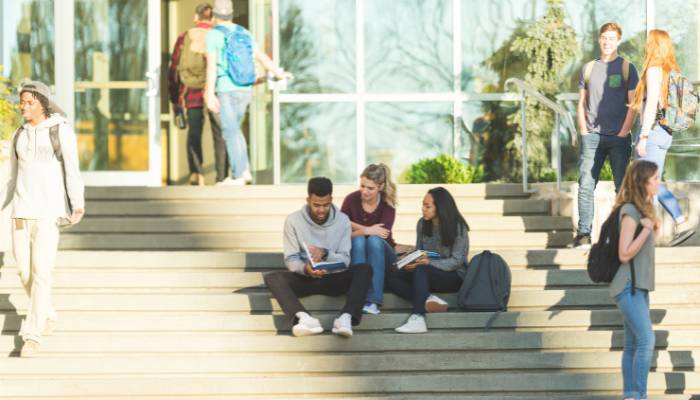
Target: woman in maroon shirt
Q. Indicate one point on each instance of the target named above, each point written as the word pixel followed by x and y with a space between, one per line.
pixel 371 211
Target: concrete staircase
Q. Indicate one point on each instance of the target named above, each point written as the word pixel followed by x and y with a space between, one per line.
pixel 141 320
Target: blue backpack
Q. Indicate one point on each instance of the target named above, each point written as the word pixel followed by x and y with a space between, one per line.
pixel 238 50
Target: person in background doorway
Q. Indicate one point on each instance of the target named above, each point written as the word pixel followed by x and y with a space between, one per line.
pixel 187 77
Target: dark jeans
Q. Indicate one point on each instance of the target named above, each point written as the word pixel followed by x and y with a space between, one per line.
pixel 287 287
pixel 416 285
pixel 595 148
pixel 195 121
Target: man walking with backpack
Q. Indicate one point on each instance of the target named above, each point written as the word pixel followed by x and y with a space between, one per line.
pixel 606 86
pixel 231 56
pixel 187 77
pixel 45 188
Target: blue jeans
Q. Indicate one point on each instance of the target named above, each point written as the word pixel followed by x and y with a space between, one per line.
pixel 639 341
pixel 416 286
pixel 595 148
pixel 658 144
pixel 233 105
pixel 376 252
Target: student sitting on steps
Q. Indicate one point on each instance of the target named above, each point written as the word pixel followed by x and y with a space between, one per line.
pixel 441 230
pixel 318 233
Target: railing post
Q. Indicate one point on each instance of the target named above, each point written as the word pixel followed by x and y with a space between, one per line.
pixel 556 149
pixel 523 137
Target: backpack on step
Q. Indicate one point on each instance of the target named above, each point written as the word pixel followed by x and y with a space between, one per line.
pixel 192 68
pixel 486 286
pixel 682 104
pixel 238 50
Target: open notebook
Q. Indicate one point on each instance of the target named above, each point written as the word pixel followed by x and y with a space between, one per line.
pixel 328 266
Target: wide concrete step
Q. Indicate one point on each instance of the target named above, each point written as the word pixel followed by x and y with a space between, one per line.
pixel 262 301
pixel 346 384
pixel 216 280
pixel 410 396
pixel 348 363
pixel 137 343
pixel 233 207
pixel 193 322
pixel 272 241
pixel 201 260
pixel 291 192
pixel 274 223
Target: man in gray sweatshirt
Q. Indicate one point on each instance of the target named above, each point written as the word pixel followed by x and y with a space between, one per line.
pixel 325 232
pixel 45 188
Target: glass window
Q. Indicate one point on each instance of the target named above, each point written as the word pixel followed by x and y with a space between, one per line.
pixel 317 45
pixel 399 134
pixel 408 46
pixel 27 40
pixel 318 139
pixel 110 104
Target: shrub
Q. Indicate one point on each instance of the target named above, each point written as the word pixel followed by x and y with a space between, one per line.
pixel 8 110
pixel 443 169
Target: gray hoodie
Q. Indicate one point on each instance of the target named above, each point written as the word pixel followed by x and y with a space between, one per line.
pixel 333 235
pixel 36 189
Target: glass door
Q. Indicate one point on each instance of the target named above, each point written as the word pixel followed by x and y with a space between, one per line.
pixel 111 48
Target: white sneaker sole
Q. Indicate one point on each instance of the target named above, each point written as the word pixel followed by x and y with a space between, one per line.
pixel 435 307
pixel 299 331
pixel 399 330
pixel 344 332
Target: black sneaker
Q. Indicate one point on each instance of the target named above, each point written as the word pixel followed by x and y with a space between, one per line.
pixel 681 237
pixel 581 241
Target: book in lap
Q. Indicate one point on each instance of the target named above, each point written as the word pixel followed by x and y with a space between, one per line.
pixel 328 266
pixel 409 258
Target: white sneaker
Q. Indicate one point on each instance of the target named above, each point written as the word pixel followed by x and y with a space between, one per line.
pixel 306 326
pixel 435 304
pixel 371 308
pixel 342 325
pixel 247 177
pixel 231 182
pixel 30 348
pixel 415 324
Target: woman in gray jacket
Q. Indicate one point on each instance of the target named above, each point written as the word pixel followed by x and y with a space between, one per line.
pixel 443 231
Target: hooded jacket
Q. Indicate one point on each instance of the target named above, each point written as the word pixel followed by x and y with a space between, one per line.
pixel 36 189
pixel 333 235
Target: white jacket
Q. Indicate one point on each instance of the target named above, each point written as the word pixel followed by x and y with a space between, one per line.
pixel 35 189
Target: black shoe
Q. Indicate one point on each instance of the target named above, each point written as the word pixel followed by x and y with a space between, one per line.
pixel 581 241
pixel 681 237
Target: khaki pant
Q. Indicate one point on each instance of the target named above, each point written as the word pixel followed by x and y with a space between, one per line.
pixel 35 244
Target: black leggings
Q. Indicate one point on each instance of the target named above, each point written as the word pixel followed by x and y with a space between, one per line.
pixel 416 285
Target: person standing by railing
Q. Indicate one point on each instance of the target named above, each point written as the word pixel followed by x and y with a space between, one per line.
pixel 606 86
pixel 653 140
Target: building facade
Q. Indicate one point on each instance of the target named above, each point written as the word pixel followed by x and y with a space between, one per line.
pixel 376 80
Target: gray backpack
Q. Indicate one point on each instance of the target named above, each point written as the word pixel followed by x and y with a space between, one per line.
pixel 486 285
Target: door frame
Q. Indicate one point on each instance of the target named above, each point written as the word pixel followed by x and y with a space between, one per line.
pixel 64 12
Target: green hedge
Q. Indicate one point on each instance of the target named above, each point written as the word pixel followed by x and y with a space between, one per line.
pixel 443 169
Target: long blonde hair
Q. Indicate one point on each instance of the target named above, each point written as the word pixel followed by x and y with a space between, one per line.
pixel 658 52
pixel 381 175
pixel 634 189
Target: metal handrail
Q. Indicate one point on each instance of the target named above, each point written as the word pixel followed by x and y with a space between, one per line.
pixel 560 114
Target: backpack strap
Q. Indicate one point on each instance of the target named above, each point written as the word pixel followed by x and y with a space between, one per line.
pixel 634 279
pixel 56 144
pixel 491 319
pixel 493 316
pixel 588 71
pixel 625 74
pixel 15 138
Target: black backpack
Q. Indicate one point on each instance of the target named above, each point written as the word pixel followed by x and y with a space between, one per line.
pixel 603 258
pixel 486 286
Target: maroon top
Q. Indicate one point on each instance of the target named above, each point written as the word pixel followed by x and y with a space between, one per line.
pixel 384 214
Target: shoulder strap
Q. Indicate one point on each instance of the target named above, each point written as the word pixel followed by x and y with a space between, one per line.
pixel 15 137
pixel 625 74
pixel 588 71
pixel 56 144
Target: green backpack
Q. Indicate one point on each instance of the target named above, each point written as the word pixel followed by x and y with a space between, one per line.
pixel 192 68
pixel 682 104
